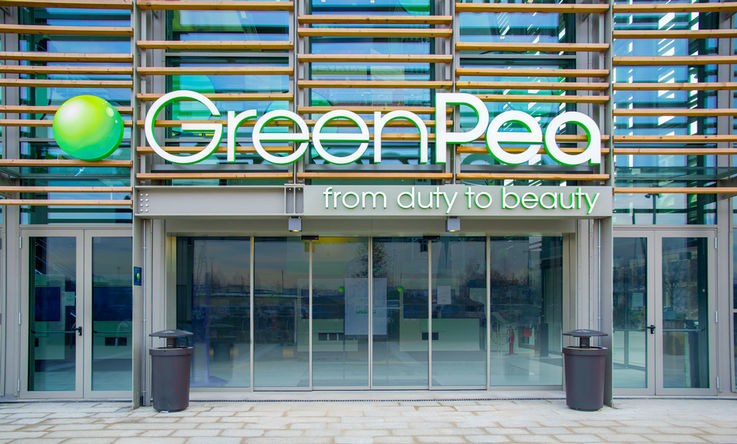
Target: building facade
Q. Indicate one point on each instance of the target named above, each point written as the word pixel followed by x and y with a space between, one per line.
pixel 375 230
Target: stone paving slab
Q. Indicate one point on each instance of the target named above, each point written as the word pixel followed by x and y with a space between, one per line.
pixel 373 422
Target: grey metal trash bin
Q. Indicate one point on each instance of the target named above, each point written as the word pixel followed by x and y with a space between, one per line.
pixel 585 367
pixel 170 368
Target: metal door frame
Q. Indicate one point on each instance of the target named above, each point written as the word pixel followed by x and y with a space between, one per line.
pixel 654 237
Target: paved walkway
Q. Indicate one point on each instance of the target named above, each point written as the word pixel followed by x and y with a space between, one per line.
pixel 440 421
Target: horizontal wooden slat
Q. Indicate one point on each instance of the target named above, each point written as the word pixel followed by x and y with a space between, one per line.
pixel 224 45
pixel 675 34
pixel 378 19
pixel 675 190
pixel 67 202
pixel 64 163
pixel 64 189
pixel 220 149
pixel 28 69
pixel 676 112
pixel 67 30
pixel 539 98
pixel 227 96
pixel 49 83
pixel 532 47
pixel 673 60
pixel 433 84
pixel 533 176
pixel 377 58
pixel 676 139
pixel 37 123
pixel 674 151
pixel 372 175
pixel 219 175
pixel 532 7
pixel 726 6
pixel 199 5
pixel 375 32
pixel 285 122
pixel 462 149
pixel 531 72
pixel 66 57
pixel 46 109
pixel 364 109
pixel 665 86
pixel 216 70
pixel 555 86
pixel 82 4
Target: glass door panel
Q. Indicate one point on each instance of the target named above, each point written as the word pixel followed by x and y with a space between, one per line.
pixel 214 303
pixel 685 319
pixel 630 316
pixel 112 302
pixel 281 313
pixel 340 320
pixel 400 306
pixel 459 312
pixel 54 317
pixel 526 310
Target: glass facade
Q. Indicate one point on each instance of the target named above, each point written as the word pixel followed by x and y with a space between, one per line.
pixel 351 329
pixel 373 307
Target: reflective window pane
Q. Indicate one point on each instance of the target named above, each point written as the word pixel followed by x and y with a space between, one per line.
pixel 400 308
pixel 629 343
pixel 214 302
pixel 685 313
pixel 526 310
pixel 340 312
pixel 281 315
pixel 458 312
pixel 112 299
pixel 52 296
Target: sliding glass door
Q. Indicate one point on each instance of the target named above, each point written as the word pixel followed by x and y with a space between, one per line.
pixel 361 313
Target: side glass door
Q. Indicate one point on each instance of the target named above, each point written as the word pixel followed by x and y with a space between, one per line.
pixel 663 297
pixel 52 318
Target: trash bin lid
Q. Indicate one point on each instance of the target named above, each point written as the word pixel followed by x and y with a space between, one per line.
pixel 171 333
pixel 584 333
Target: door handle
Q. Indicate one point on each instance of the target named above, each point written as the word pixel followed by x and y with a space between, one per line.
pixel 79 330
pixel 650 327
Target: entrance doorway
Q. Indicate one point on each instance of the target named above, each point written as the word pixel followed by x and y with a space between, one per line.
pixel 76 314
pixel 663 312
pixel 321 313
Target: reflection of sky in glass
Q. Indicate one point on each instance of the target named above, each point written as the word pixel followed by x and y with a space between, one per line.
pixel 511 27
pixel 230 25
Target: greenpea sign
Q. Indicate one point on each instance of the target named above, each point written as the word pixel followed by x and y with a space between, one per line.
pixel 88 128
pixel 532 136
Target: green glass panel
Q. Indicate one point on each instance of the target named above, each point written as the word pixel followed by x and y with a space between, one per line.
pixel 629 343
pixel 459 312
pixel 685 313
pixel 214 303
pixel 52 308
pixel 112 303
pixel 281 316
pixel 400 305
pixel 340 310
pixel 526 310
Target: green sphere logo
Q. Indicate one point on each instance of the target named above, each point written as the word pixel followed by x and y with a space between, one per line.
pixel 88 128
